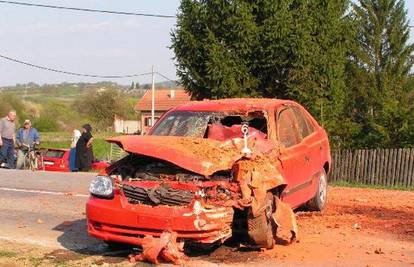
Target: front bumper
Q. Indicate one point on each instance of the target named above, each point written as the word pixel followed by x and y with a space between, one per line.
pixel 117 220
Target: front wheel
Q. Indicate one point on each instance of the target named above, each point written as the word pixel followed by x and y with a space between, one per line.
pixel 261 228
pixel 317 203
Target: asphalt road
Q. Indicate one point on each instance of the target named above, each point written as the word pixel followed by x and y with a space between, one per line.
pixel 45 208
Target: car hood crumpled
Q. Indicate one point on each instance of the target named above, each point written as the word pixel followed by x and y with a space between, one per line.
pixel 199 155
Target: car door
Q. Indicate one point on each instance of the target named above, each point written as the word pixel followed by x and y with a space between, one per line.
pixel 293 155
pixel 313 143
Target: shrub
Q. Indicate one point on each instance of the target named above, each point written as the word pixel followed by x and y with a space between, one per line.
pixel 46 124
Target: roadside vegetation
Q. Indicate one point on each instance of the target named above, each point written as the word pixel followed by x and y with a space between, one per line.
pixel 7 254
pixel 57 109
pixel 362 185
pixel 101 148
pixel 65 107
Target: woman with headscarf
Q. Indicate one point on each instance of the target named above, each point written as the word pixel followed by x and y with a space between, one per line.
pixel 72 156
pixel 84 153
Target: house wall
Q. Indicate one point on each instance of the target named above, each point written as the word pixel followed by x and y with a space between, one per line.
pixel 127 126
pixel 146 119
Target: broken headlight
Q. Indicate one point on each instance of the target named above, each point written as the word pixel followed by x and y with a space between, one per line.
pixel 102 186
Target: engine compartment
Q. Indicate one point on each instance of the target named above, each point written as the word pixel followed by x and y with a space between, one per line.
pixel 140 168
pixel 149 181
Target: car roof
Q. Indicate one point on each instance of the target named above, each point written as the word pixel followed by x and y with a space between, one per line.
pixel 233 104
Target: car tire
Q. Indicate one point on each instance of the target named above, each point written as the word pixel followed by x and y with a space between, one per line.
pixel 115 246
pixel 317 203
pixel 194 248
pixel 261 228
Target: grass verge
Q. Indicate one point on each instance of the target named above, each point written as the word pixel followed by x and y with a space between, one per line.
pixel 101 148
pixel 7 254
pixel 361 185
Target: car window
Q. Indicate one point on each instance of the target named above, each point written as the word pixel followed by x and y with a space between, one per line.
pixel 304 125
pixel 286 127
pixel 210 124
pixel 54 154
pixel 188 123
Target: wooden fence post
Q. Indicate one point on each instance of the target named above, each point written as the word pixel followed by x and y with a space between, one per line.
pixel 388 167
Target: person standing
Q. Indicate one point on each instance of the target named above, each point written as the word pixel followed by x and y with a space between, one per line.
pixel 84 153
pixel 72 156
pixel 27 137
pixel 7 134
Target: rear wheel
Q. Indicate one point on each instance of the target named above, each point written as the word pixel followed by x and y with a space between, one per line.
pixel 317 203
pixel 261 229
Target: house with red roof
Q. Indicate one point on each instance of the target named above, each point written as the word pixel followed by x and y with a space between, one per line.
pixel 165 99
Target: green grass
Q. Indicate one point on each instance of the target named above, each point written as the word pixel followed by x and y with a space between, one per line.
pixel 101 148
pixel 7 254
pixel 35 261
pixel 361 185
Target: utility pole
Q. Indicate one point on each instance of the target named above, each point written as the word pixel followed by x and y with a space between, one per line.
pixel 153 98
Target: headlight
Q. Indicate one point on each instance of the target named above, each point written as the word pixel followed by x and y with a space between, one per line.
pixel 102 186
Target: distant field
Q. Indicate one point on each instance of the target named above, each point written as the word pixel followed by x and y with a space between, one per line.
pixel 41 95
pixel 101 148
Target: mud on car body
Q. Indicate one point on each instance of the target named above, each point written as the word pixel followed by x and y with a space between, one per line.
pixel 210 170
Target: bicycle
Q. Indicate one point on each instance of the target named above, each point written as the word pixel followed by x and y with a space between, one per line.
pixel 32 158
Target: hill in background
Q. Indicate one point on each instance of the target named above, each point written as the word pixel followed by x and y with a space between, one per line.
pixel 65 106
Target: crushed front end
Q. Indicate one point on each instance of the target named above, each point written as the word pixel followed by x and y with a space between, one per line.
pixel 159 196
pixel 171 190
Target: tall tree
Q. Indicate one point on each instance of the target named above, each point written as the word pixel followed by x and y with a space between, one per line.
pixel 267 48
pixel 213 44
pixel 379 67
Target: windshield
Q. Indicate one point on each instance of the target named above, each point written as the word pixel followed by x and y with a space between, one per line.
pixel 214 125
pixel 186 123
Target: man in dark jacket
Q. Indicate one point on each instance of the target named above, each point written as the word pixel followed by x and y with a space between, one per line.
pixel 84 152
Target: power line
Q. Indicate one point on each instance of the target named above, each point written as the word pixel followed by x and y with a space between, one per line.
pixel 89 10
pixel 168 79
pixel 73 73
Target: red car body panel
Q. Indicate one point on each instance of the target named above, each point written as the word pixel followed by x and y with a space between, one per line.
pixel 56 164
pixel 137 221
pixel 198 155
pixel 60 161
pixel 299 165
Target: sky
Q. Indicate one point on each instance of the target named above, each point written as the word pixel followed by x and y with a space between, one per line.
pixel 92 43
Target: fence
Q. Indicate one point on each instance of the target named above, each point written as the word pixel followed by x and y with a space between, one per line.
pixel 116 153
pixel 388 167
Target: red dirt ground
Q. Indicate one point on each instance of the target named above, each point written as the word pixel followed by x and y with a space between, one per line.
pixel 359 227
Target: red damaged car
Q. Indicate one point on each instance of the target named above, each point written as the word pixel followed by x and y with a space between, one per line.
pixel 210 170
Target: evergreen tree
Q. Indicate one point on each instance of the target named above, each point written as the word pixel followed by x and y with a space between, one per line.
pixel 268 48
pixel 379 67
pixel 316 78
